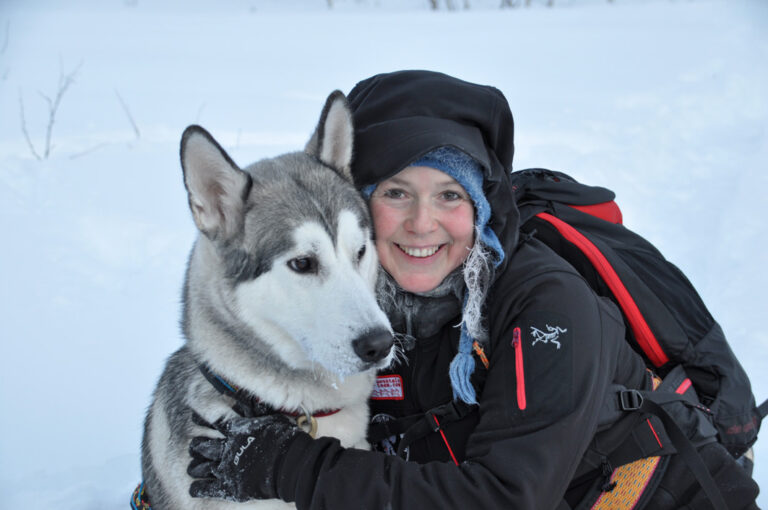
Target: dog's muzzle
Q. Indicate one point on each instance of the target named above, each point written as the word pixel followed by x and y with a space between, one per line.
pixel 373 345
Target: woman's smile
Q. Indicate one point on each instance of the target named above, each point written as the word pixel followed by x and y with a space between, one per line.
pixel 420 253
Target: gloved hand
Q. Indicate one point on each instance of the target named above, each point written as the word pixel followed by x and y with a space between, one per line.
pixel 246 463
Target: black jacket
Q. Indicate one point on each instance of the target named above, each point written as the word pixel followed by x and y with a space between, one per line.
pixel 509 457
pixel 556 350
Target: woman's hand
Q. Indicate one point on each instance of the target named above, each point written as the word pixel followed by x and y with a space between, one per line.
pixel 245 463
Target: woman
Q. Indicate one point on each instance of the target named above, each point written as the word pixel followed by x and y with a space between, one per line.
pixel 501 412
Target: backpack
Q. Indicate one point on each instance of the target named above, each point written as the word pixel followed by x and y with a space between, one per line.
pixel 666 320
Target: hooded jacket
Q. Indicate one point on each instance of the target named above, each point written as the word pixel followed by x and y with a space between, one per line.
pixel 556 351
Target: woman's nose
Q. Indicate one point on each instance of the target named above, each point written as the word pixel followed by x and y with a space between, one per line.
pixel 422 218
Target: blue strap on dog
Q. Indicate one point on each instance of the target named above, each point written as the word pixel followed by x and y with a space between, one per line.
pixel 139 499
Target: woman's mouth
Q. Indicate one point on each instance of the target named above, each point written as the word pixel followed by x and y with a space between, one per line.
pixel 420 253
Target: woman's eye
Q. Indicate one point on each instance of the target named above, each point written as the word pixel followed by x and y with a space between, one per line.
pixel 451 196
pixel 303 265
pixel 394 193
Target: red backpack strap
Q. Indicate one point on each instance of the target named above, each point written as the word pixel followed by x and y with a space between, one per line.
pixel 642 332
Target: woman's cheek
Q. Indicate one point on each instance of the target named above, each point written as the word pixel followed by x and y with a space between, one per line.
pixel 384 220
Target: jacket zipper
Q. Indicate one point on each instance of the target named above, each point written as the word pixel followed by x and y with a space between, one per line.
pixel 519 371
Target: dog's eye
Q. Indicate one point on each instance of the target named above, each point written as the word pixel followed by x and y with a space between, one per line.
pixel 303 265
pixel 361 253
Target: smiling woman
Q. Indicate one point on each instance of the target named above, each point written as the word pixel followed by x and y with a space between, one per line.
pixel 424 224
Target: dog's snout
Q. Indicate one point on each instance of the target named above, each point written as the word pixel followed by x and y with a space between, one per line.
pixel 374 345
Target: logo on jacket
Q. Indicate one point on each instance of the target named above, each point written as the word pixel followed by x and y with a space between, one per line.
pixel 550 337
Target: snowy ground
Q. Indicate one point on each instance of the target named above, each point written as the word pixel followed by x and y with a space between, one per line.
pixel 663 101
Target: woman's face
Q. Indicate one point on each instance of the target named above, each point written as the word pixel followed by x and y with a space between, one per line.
pixel 424 225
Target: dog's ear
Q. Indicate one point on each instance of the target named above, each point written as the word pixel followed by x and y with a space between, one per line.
pixel 332 141
pixel 217 188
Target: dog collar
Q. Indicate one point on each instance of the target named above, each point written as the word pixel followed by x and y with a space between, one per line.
pixel 254 406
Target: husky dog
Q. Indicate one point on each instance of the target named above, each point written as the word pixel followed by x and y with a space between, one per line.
pixel 278 303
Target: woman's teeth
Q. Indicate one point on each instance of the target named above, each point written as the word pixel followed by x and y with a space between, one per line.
pixel 419 252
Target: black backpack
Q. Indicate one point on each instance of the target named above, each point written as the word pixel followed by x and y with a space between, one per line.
pixel 666 320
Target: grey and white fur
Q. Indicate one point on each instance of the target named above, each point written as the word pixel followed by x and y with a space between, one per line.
pixel 278 300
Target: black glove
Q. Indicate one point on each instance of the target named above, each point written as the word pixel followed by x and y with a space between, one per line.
pixel 246 463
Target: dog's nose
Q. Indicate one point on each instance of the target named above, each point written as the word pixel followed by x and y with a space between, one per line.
pixel 374 345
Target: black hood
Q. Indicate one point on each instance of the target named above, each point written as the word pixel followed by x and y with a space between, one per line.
pixel 400 116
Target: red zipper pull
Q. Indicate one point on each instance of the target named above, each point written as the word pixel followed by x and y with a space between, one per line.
pixel 519 368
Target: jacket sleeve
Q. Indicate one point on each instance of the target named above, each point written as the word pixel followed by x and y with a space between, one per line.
pixel 549 372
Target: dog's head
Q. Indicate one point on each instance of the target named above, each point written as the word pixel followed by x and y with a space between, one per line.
pixel 285 258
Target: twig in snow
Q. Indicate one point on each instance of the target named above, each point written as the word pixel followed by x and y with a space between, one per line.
pixel 53 105
pixel 65 80
pixel 24 129
pixel 128 114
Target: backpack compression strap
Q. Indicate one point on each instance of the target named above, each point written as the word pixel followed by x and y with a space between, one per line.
pixel 649 402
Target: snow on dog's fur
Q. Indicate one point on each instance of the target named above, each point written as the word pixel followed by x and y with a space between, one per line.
pixel 278 300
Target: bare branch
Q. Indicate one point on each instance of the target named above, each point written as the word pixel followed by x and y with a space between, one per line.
pixel 53 106
pixel 128 114
pixel 65 80
pixel 24 129
pixel 46 98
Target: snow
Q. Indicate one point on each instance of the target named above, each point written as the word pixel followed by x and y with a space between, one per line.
pixel 663 101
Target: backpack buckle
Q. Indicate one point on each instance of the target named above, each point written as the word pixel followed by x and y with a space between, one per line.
pixel 630 400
